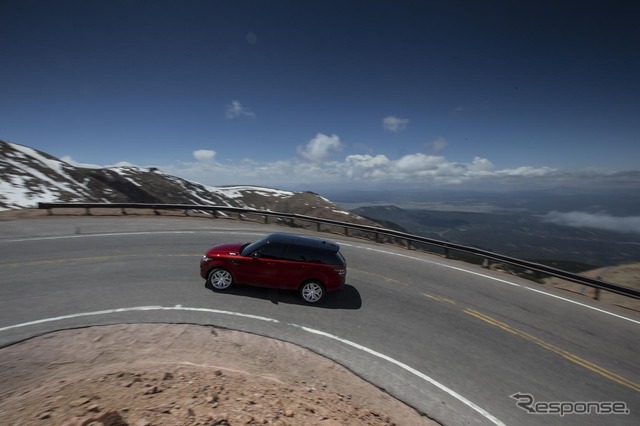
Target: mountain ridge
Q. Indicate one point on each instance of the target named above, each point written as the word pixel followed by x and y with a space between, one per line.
pixel 30 176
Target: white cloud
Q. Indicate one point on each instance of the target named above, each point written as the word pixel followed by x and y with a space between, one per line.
pixel 317 162
pixel 251 38
pixel 364 166
pixel 438 145
pixel 124 164
pixel 481 165
pixel 414 169
pixel 395 124
pixel 236 110
pixel 525 171
pixel 320 148
pixel 425 169
pixel 204 154
pixel 415 163
pixel 595 221
pixel 69 160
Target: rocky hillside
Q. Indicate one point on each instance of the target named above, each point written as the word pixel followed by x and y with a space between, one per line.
pixel 29 176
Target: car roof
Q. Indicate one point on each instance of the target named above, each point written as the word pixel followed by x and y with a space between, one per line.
pixel 303 241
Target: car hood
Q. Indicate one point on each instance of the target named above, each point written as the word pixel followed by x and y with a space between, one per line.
pixel 226 248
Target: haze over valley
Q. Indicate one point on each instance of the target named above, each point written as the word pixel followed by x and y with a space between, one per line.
pixel 575 230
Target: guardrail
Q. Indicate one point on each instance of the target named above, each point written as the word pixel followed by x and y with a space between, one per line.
pixel 446 246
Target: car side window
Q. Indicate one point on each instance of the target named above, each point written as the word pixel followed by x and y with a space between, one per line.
pixel 306 254
pixel 312 256
pixel 296 253
pixel 328 258
pixel 271 251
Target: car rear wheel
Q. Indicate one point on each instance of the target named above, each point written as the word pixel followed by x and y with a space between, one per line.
pixel 220 279
pixel 312 291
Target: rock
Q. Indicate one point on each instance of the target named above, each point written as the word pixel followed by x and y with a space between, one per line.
pixel 219 419
pixel 80 401
pixel 111 418
pixel 46 415
pixel 330 422
pixel 164 409
pixel 152 390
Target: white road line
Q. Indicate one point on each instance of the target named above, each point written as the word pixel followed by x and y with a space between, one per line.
pixel 134 309
pixel 407 368
pixel 411 370
pixel 119 234
pixel 456 268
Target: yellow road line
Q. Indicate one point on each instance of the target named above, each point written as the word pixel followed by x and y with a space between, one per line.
pixel 439 298
pixel 391 280
pixel 567 355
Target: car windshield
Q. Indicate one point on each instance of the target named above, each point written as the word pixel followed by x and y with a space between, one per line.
pixel 247 249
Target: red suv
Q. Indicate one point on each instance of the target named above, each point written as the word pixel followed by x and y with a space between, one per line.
pixel 310 266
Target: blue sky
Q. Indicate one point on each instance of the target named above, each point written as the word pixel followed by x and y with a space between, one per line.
pixel 306 94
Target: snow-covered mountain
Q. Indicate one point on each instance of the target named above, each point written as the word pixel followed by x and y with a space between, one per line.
pixel 29 176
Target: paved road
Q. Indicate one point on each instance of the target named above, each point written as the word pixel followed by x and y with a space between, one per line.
pixel 452 340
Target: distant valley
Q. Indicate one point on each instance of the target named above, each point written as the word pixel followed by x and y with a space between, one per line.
pixel 522 224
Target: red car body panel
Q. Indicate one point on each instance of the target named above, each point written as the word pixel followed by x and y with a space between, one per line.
pixel 267 272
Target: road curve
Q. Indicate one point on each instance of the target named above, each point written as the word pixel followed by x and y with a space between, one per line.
pixel 454 341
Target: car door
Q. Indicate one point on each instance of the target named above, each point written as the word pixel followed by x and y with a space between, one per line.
pixel 295 266
pixel 262 267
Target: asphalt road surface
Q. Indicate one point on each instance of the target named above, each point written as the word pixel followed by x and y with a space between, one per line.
pixel 455 341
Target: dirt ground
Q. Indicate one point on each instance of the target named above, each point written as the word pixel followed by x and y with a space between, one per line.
pixel 167 374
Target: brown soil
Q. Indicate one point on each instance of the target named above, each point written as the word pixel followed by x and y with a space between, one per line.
pixel 145 374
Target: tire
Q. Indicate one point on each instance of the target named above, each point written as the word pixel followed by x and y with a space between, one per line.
pixel 312 291
pixel 220 279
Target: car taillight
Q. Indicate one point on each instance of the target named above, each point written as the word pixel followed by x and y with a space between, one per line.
pixel 341 272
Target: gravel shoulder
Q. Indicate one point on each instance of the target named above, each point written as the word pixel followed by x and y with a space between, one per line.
pixel 168 374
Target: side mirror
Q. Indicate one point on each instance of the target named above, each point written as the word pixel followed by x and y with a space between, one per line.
pixel 255 255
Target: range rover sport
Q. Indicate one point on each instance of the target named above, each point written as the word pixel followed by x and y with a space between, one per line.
pixel 310 266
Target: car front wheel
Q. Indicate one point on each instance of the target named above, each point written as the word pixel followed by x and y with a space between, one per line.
pixel 220 279
pixel 312 291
